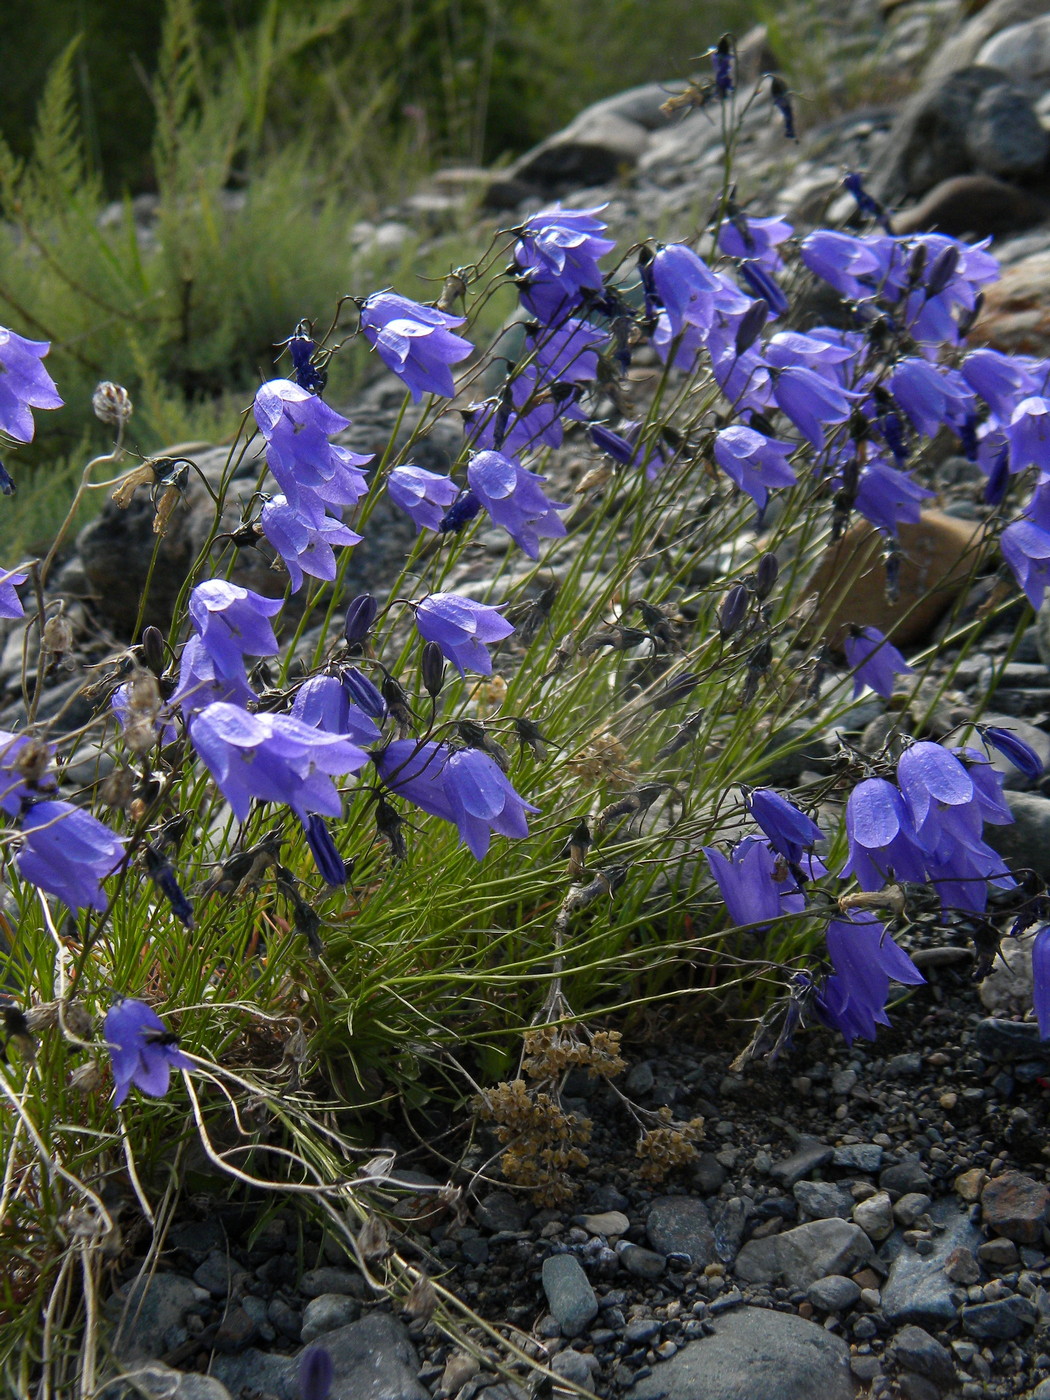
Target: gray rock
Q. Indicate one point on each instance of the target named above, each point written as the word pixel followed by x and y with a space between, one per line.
pixel 328 1312
pixel 999 1321
pixel 499 1210
pixel 1022 51
pixel 904 1177
pixel 1016 1206
pixel 834 1293
pixel 574 1366
pixel 593 149
pixel 755 1354
pixel 875 1216
pixel 821 1247
pixel 606 1222
pixel 570 1296
pixel 759 1260
pixel 808 1155
pixel 1026 842
pixel 823 1199
pixel 729 1227
pixel 708 1173
pixel 331 1279
pixel 910 1207
pixel 1004 1042
pixel 151 1313
pixel 917 1289
pixel 858 1156
pixel 964 46
pixel 681 1225
pixel 371 1360
pixel 159 1382
pixel 640 1079
pixel 219 1274
pixel 1004 136
pixel 643 1263
pixel 914 1349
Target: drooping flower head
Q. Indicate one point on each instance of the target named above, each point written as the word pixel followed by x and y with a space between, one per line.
pixel 142 1049
pixel 325 702
pixel 424 496
pixel 24 384
pixel 753 888
pixel 312 472
pixel 787 829
pixel 873 660
pixel 757 239
pixel 304 540
pixel 463 629
pixel 416 342
pixel 232 623
pixel 67 853
pixel 22 755
pixel 515 500
pixel 757 464
pixel 557 254
pixel 866 959
pixel 10 603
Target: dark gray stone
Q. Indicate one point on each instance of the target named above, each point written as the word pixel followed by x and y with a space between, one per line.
pixel 1026 841
pixel 917 1289
pixel 834 1293
pixel 499 1210
pixel 331 1279
pixel 999 1321
pixel 821 1200
pixel 150 1312
pixel 681 1225
pixel 643 1263
pixel 327 1313
pixel 807 1156
pixel 822 1247
pixel 755 1354
pixel 730 1220
pixel 858 1156
pixel 570 1296
pixel 905 1177
pixel 1004 1042
pixel 916 1350
pixel 1004 135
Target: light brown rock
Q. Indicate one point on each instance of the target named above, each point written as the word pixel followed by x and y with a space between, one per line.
pixel 1015 317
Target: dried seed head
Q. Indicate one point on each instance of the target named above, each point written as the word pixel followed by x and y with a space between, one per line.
pixel 43 1017
pixel 58 634
pixel 373 1242
pixel 112 403
pixel 420 1301
pixel 118 788
pixel 77 1021
pixel 129 484
pixel 86 1077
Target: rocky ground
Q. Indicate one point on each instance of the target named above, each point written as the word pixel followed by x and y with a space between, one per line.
pixel 865 1221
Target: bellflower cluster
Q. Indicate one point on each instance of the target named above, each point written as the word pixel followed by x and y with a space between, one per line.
pixel 230 623
pixel 142 1050
pixel 462 786
pixel 416 342
pixel 557 259
pixel 24 384
pixel 312 472
pixel 333 704
pixel 463 629
pixel 866 960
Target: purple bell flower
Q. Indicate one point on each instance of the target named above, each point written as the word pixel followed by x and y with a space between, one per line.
pixel 201 682
pixel 788 829
pixel 424 496
pixel 466 788
pixel 809 350
pixel 812 401
pixel 686 287
pixel 24 384
pixel 866 959
pixel 232 623
pixel 67 853
pixel 939 792
pixel 329 862
pixel 10 603
pixel 888 497
pixel 1026 548
pixel 323 702
pixel 1003 381
pixel 528 421
pixel 14 790
pixel 460 513
pixel 304 541
pixel 757 464
pixel 567 353
pixel 142 1050
pixel 758 240
pixel 626 448
pixel 558 254
pixel 873 660
pixel 462 629
pixel 416 342
pixel 930 395
pixel 881 836
pixel 855 267
pixel 1029 434
pixel 312 472
pixel 765 286
pixel 272 758
pixel 754 889
pixel 1041 979
pixel 515 501
pixel 987 785
pixel 1021 755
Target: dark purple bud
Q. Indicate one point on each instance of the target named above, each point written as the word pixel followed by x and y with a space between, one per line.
pixel 363 693
pixel 7 485
pixel 766 575
pixel 967 431
pixel 749 327
pixel 389 822
pixel 433 669
pixel 943 270
pixel 460 513
pixel 998 477
pixel 781 96
pixel 675 690
pixel 154 653
pixel 722 60
pixel 968 318
pixel 1020 754
pixel 865 203
pixel 359 618
pixel 731 613
pixel 315 1374
pixel 764 285
pixel 916 264
pixel 531 737
pixel 163 876
pixel 325 853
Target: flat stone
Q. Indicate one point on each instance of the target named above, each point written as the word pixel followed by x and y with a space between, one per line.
pixel 1022 51
pixel 643 1263
pixel 916 1350
pixel 682 1225
pixel 570 1296
pixel 152 1312
pixel 835 1293
pixel 759 1260
pixel 961 1267
pixel 858 1157
pixel 159 1382
pixel 822 1247
pixel 917 1289
pixel 499 1210
pixel 755 1354
pixel 904 1177
pixel 608 1222
pixel 327 1313
pixel 970 1184
pixel 998 1254
pixel 823 1199
pixel 810 1154
pixel 999 1321
pixel 329 1279
pixel 1015 1206
pixel 909 1208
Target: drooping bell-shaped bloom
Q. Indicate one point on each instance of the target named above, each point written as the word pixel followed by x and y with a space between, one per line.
pixel 882 838
pixel 1001 380
pixel 854 266
pixel 466 788
pixel 866 959
pixel 201 682
pixel 987 783
pixel 67 853
pixel 526 417
pixel 330 864
pixel 1026 548
pixel 24 384
pixel 1029 434
pixel 417 342
pixel 755 238
pixel 515 500
pixel 754 888
pixel 791 349
pixel 874 661
pixel 304 540
pixel 15 787
pixel 324 702
pixel 887 497
pixel 10 603
pixel 232 623
pixel 424 496
pixel 686 287
pixel 756 463
pixel 312 472
pixel 1041 979
pixel 938 791
pixel 567 353
pixel 931 396
pixel 142 1049
pixel 557 254
pixel 463 629
pixel 628 447
pixel 788 829
pixel 1012 746
pixel 272 758
pixel 813 402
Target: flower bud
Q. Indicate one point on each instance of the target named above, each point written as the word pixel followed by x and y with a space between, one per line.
pixel 359 618
pixel 315 1373
pixel 766 575
pixel 7 485
pixel 363 693
pixel 749 327
pixel 112 403
pixel 154 653
pixel 731 613
pixel 433 669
